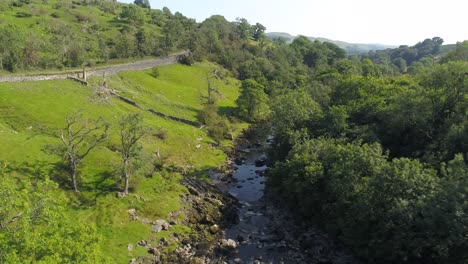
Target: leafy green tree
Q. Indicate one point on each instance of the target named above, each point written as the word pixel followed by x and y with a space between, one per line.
pixel 294 110
pixel 258 31
pixel 369 69
pixel 171 34
pixel 143 3
pixel 447 214
pixel 252 104
pixel 134 14
pixel 335 121
pixel 131 130
pixel 11 46
pixel 37 227
pixel 126 45
pixel 244 28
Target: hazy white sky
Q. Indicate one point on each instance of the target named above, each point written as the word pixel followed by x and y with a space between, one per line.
pixel 394 22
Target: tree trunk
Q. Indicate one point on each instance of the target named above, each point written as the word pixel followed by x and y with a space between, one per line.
pixel 73 174
pixel 127 176
pixel 126 183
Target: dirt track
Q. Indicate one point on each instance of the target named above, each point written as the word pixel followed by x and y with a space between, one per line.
pixel 110 70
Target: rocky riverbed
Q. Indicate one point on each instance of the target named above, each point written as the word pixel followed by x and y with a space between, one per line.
pixel 267 232
pixel 237 219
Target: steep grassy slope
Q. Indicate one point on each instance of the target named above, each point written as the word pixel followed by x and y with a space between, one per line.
pixel 32 112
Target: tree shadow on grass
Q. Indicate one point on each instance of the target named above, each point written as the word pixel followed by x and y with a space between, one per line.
pixel 90 191
pixel 104 184
pixel 38 170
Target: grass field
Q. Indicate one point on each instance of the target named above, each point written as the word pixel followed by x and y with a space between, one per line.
pixel 32 112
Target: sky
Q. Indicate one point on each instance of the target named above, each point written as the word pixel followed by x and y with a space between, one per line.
pixel 391 22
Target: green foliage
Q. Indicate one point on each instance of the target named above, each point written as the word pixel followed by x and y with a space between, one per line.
pixel 131 130
pixel 218 127
pixel 291 112
pixel 36 227
pixel 253 102
pixel 155 72
pixel 460 53
pixel 400 58
pixel 143 3
pixel 258 30
pixel 134 14
pixel 376 206
pixel 186 60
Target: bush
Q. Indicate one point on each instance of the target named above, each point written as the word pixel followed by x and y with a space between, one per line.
pixel 186 60
pixel 218 127
pixel 161 133
pixel 155 72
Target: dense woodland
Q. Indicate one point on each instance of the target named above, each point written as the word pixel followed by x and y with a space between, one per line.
pixel 372 147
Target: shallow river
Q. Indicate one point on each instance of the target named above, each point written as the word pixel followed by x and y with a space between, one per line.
pixel 266 233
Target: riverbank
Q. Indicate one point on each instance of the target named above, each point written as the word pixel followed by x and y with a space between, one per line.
pixel 237 219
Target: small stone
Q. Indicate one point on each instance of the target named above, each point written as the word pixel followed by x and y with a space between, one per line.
pixel 214 229
pixel 142 243
pixel 131 211
pixel 156 229
pixel 130 247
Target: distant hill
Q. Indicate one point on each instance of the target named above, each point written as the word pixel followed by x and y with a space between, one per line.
pixel 349 47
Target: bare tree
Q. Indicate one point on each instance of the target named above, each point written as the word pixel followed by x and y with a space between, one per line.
pixel 131 131
pixel 79 137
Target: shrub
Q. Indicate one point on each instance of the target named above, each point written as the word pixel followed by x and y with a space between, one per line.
pixel 155 72
pixel 186 60
pixel 161 133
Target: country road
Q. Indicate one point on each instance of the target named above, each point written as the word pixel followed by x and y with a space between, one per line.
pixel 108 71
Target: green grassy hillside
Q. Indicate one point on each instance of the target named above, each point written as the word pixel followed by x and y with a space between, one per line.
pixel 32 112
